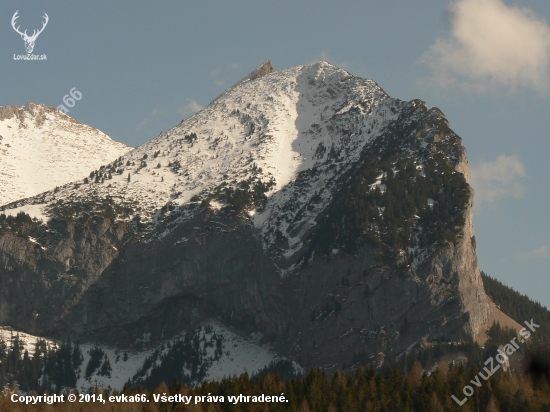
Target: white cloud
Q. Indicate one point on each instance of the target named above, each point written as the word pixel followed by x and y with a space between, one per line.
pixel 191 108
pixel 326 57
pixel 501 178
pixel 542 252
pixel 220 75
pixel 148 119
pixel 492 44
pixel 218 81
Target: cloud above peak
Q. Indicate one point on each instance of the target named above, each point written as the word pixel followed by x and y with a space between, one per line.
pixel 502 178
pixel 542 252
pixel 492 44
pixel 191 108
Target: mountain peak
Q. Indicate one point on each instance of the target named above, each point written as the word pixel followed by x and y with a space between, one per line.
pixel 271 125
pixel 31 107
pixel 262 70
pixel 40 149
pixel 293 183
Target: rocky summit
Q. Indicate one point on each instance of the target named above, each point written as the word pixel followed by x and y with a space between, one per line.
pixel 304 207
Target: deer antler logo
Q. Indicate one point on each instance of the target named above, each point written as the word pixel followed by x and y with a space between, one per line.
pixel 29 40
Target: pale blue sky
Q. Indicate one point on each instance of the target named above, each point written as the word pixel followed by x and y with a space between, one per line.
pixel 142 66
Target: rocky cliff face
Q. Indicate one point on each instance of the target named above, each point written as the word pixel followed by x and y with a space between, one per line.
pixel 458 263
pixel 305 205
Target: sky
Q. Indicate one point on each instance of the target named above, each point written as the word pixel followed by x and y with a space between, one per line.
pixel 143 66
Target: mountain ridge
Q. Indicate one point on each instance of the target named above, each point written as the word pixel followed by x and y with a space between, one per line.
pixel 305 205
pixel 41 148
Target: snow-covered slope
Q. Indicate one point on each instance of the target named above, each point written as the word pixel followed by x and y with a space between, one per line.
pixel 237 354
pixel 220 352
pixel 267 129
pixel 27 342
pixel 41 148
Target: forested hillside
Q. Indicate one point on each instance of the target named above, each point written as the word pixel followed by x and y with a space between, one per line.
pixel 519 307
pixel 363 390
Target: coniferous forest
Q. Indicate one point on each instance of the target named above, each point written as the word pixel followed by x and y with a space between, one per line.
pixel 420 381
pixel 362 390
pixel 46 368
